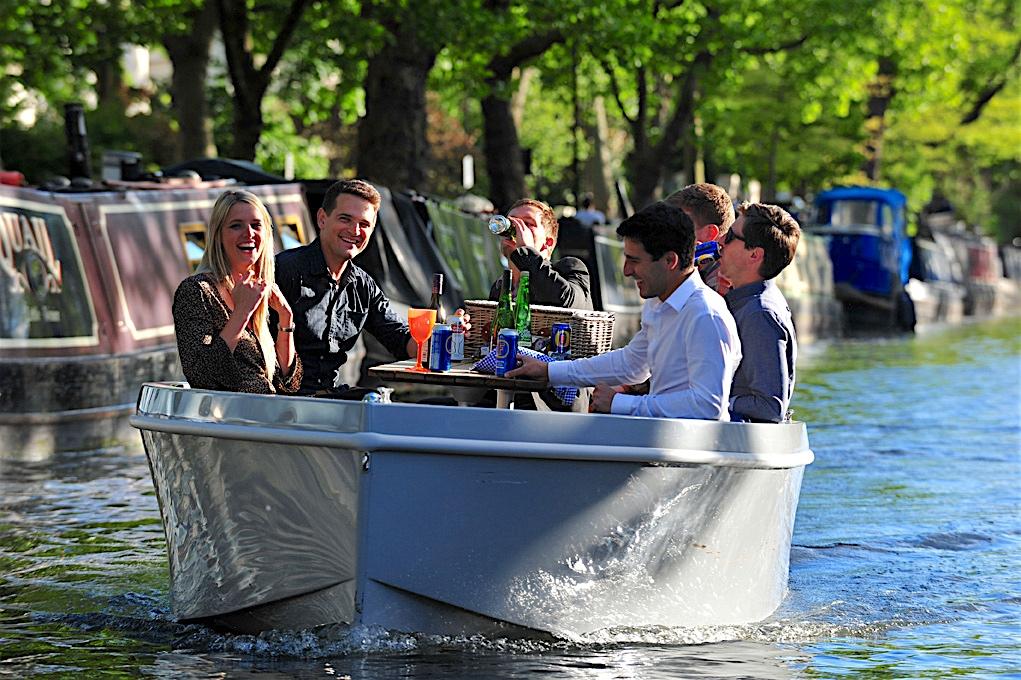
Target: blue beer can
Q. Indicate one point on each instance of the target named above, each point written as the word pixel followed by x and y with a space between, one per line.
pixel 706 253
pixel 506 351
pixel 560 341
pixel 439 348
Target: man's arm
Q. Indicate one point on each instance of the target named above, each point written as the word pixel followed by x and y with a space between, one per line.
pixel 628 364
pixel 763 370
pixel 712 354
pixel 563 284
pixel 386 326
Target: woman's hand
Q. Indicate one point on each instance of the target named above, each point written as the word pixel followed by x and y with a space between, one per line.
pixel 247 294
pixel 278 303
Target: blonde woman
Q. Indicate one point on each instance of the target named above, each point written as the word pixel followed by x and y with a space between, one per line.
pixel 221 313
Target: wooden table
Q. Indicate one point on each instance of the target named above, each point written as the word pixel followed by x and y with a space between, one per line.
pixel 460 375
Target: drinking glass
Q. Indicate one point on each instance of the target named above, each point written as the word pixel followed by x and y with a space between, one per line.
pixel 421 323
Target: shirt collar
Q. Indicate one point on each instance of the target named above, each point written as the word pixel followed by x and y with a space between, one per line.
pixel 685 290
pixel 315 264
pixel 746 291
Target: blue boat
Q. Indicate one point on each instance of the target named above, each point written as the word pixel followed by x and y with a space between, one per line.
pixel 870 249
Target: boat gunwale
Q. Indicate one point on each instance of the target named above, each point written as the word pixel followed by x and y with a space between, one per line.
pixel 364 439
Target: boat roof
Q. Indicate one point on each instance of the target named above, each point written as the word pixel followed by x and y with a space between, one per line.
pixel 891 196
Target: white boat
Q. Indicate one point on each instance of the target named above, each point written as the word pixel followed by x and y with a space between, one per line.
pixel 291 512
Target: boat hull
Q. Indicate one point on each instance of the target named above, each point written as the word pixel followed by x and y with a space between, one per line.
pixel 571 547
pixel 286 512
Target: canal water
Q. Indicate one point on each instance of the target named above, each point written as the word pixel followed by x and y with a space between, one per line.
pixel 906 563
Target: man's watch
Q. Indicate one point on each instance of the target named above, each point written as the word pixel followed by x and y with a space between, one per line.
pixel 287 329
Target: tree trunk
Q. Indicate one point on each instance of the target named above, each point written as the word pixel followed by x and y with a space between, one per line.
pixel 110 89
pixel 769 195
pixel 189 54
pixel 501 117
pixel 503 152
pixel 392 145
pixel 250 83
pixel 646 174
pixel 648 161
pixel 881 92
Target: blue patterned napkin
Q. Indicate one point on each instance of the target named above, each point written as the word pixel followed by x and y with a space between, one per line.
pixel 488 365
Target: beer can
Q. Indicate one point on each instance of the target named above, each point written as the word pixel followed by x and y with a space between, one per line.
pixel 456 337
pixel 439 348
pixel 506 351
pixel 560 341
pixel 706 253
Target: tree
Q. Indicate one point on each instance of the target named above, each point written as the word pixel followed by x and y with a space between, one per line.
pixel 188 49
pixel 251 83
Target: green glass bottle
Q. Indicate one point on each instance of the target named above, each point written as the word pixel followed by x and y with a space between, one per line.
pixel 504 308
pixel 523 313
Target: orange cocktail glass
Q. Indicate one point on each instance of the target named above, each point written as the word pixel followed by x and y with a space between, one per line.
pixel 421 322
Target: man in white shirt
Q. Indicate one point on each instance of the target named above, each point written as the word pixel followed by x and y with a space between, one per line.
pixel 688 342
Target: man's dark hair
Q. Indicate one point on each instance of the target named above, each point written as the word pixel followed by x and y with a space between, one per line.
pixel 771 228
pixel 661 228
pixel 355 187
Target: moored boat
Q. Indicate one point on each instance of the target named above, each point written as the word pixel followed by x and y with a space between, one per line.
pixel 86 284
pixel 290 512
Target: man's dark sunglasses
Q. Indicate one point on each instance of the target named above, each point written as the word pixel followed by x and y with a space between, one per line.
pixel 732 236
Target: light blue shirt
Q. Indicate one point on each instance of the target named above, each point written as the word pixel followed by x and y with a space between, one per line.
pixel 689 346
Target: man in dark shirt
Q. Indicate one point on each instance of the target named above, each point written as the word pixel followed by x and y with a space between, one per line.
pixel 332 298
pixel 564 283
pixel 759 245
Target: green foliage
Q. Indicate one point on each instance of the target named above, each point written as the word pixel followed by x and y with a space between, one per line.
pixel 280 139
pixel 782 87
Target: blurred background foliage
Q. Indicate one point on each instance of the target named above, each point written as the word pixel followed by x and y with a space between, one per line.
pixel 550 99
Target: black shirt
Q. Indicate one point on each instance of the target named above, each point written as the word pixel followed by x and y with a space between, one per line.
pixel 329 315
pixel 564 283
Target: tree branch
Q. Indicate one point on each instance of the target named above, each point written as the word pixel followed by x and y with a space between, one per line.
pixel 991 90
pixel 502 65
pixel 782 47
pixel 233 28
pixel 615 89
pixel 280 43
pixel 685 107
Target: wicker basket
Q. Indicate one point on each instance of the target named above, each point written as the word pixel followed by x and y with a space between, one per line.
pixel 591 332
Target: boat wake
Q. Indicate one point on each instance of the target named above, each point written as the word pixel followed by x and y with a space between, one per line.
pixel 148 619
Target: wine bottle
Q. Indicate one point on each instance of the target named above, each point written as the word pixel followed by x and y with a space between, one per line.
pixel 504 317
pixel 436 302
pixel 523 313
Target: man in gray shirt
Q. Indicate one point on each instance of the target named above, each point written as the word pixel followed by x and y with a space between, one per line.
pixel 758 246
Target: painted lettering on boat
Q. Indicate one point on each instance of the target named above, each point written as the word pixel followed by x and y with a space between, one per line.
pixel 26 252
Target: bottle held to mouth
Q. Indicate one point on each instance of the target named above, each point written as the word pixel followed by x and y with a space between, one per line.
pixel 501 226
